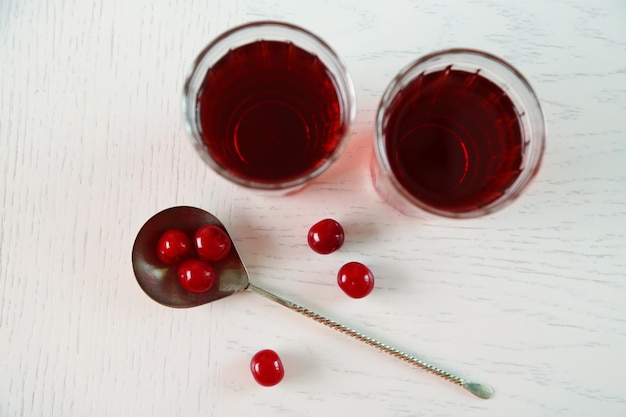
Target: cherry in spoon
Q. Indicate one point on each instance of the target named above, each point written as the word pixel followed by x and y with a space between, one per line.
pixel 160 282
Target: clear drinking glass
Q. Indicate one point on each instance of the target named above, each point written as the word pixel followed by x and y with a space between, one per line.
pixel 458 133
pixel 269 106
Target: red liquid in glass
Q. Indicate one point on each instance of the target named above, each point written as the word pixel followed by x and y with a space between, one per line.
pixel 454 140
pixel 269 112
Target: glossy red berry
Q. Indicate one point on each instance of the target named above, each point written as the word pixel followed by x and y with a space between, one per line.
pixel 326 236
pixel 355 279
pixel 267 368
pixel 212 243
pixel 196 275
pixel 174 246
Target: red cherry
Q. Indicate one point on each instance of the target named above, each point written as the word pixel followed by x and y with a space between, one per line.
pixel 355 279
pixel 212 243
pixel 196 275
pixel 326 236
pixel 266 367
pixel 173 247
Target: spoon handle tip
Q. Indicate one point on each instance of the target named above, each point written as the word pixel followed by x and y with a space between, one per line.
pixel 480 390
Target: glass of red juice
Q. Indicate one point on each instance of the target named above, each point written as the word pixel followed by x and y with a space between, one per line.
pixel 458 133
pixel 269 106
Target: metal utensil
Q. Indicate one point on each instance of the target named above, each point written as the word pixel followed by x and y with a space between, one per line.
pixel 161 284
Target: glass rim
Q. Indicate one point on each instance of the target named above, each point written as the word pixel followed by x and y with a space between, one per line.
pixel 337 70
pixel 524 96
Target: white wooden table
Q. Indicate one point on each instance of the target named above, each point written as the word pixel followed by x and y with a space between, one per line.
pixel 531 300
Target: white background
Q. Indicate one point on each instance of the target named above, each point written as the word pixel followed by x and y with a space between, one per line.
pixel 531 300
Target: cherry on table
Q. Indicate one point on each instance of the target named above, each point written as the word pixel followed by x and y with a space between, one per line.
pixel 326 236
pixel 355 279
pixel 173 247
pixel 267 368
pixel 196 275
pixel 212 243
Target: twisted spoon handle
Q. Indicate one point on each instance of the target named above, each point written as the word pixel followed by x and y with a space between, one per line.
pixel 479 390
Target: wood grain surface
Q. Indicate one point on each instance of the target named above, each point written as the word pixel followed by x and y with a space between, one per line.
pixel 531 300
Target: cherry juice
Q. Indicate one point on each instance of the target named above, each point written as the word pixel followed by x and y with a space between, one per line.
pixel 454 140
pixel 269 112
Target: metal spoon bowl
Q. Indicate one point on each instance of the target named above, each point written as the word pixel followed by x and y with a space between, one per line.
pixel 160 283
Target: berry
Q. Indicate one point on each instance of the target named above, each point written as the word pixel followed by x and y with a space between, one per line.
pixel 212 243
pixel 173 247
pixel 326 236
pixel 355 279
pixel 266 367
pixel 196 275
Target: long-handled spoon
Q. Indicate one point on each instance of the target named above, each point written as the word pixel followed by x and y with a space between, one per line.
pixel 161 284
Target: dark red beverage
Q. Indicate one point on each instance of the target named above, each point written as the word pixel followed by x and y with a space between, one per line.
pixel 454 140
pixel 269 112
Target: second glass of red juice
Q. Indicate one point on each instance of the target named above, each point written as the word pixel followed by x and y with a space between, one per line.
pixel 459 133
pixel 269 106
